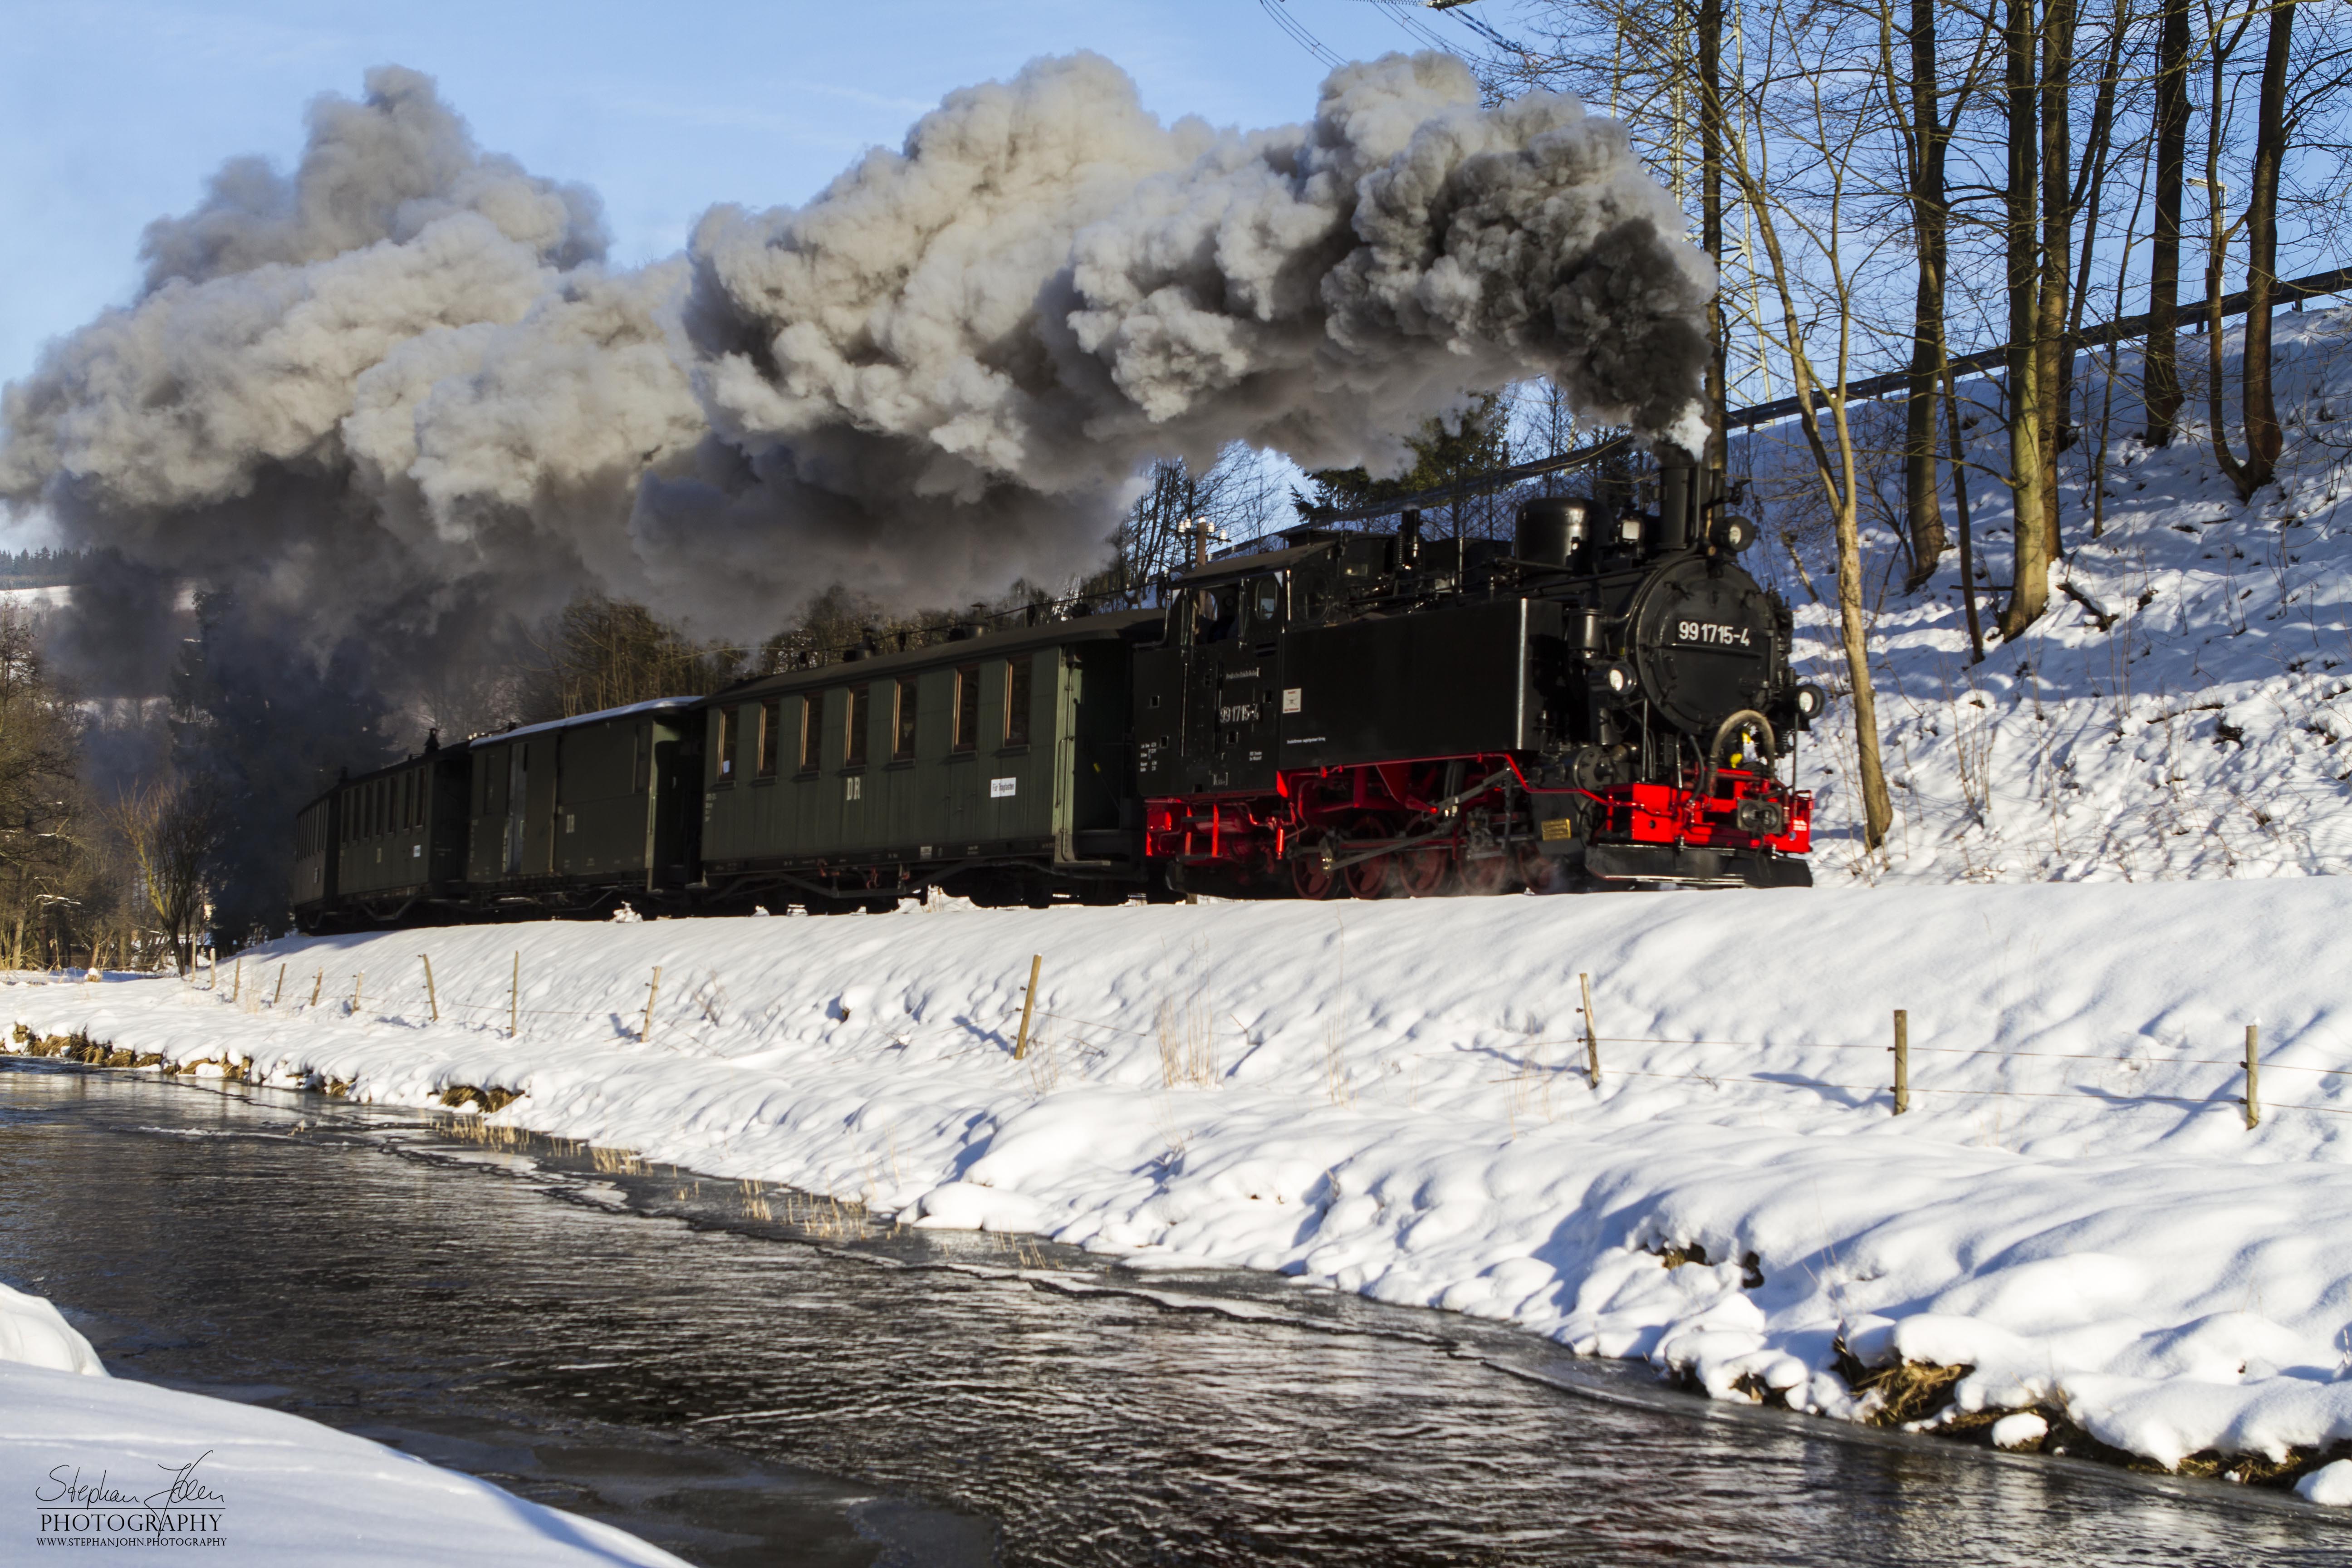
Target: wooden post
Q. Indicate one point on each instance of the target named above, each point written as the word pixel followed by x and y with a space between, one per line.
pixel 359 978
pixel 317 986
pixel 212 970
pixel 514 1002
pixel 1021 1045
pixel 281 986
pixel 236 986
pixel 2253 1076
pixel 1902 1061
pixel 1591 1032
pixel 432 998
pixel 645 1033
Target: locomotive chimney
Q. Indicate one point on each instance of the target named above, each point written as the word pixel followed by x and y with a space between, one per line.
pixel 1676 492
pixel 1409 542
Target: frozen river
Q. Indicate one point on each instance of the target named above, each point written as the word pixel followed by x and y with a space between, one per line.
pixel 746 1378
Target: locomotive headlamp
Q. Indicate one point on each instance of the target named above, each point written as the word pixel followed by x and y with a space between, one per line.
pixel 1629 530
pixel 1732 534
pixel 1810 700
pixel 1617 681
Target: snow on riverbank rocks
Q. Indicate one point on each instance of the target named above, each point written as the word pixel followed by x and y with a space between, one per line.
pixel 1391 1099
pixel 96 1465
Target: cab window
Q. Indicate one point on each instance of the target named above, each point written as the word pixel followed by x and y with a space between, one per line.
pixel 1216 614
pixel 1262 601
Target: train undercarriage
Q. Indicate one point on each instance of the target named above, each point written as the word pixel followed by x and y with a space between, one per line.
pixel 1478 825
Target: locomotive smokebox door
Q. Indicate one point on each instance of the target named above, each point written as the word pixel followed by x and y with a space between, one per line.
pixel 1703 643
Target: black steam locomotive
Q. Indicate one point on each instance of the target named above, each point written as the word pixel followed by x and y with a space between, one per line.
pixel 1605 701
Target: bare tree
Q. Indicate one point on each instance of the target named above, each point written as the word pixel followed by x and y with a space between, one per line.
pixel 172 829
pixel 1800 113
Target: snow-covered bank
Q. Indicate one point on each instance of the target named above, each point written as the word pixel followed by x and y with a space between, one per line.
pixel 1391 1099
pixel 2189 720
pixel 98 1466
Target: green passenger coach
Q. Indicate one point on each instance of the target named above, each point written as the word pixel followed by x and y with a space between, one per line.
pixel 995 766
pixel 562 814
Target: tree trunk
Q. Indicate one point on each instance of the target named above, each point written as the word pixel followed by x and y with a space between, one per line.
pixel 2050 380
pixel 1710 142
pixel 2216 250
pixel 2030 580
pixel 1922 508
pixel 1877 806
pixel 2160 370
pixel 1960 503
pixel 2262 437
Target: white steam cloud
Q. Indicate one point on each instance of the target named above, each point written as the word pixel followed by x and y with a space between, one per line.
pixel 400 382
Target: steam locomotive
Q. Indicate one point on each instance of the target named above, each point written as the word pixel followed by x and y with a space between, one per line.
pixel 1605 701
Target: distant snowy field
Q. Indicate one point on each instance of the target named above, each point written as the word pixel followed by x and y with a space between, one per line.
pixel 1393 1099
pixel 99 1470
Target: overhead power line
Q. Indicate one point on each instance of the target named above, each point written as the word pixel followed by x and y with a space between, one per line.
pixel 1297 33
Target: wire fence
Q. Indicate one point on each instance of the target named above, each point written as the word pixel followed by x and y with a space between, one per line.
pixel 642 1016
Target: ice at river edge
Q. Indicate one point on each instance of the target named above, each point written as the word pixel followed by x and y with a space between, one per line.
pixel 104 1459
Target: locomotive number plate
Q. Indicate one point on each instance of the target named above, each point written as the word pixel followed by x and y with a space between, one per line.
pixel 1711 633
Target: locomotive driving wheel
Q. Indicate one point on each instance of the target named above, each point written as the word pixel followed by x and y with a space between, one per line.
pixel 1483 874
pixel 1421 871
pixel 1312 878
pixel 1369 878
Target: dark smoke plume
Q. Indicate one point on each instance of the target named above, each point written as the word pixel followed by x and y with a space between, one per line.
pixel 391 409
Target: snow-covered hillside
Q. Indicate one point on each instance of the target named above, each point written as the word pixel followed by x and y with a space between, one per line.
pixel 2199 734
pixel 1393 1099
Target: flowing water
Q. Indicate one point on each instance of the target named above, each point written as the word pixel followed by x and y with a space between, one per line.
pixel 746 1377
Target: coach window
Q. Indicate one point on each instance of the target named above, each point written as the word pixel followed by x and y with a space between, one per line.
pixel 812 737
pixel 770 711
pixel 861 709
pixel 902 724
pixel 1017 701
pixel 967 710
pixel 726 745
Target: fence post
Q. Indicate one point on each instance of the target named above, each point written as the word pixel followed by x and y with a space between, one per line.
pixel 1902 1061
pixel 236 986
pixel 645 1033
pixel 432 998
pixel 1591 1032
pixel 1021 1045
pixel 2253 1076
pixel 281 986
pixel 317 986
pixel 359 979
pixel 514 1001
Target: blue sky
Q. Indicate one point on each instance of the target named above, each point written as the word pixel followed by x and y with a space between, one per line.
pixel 113 113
